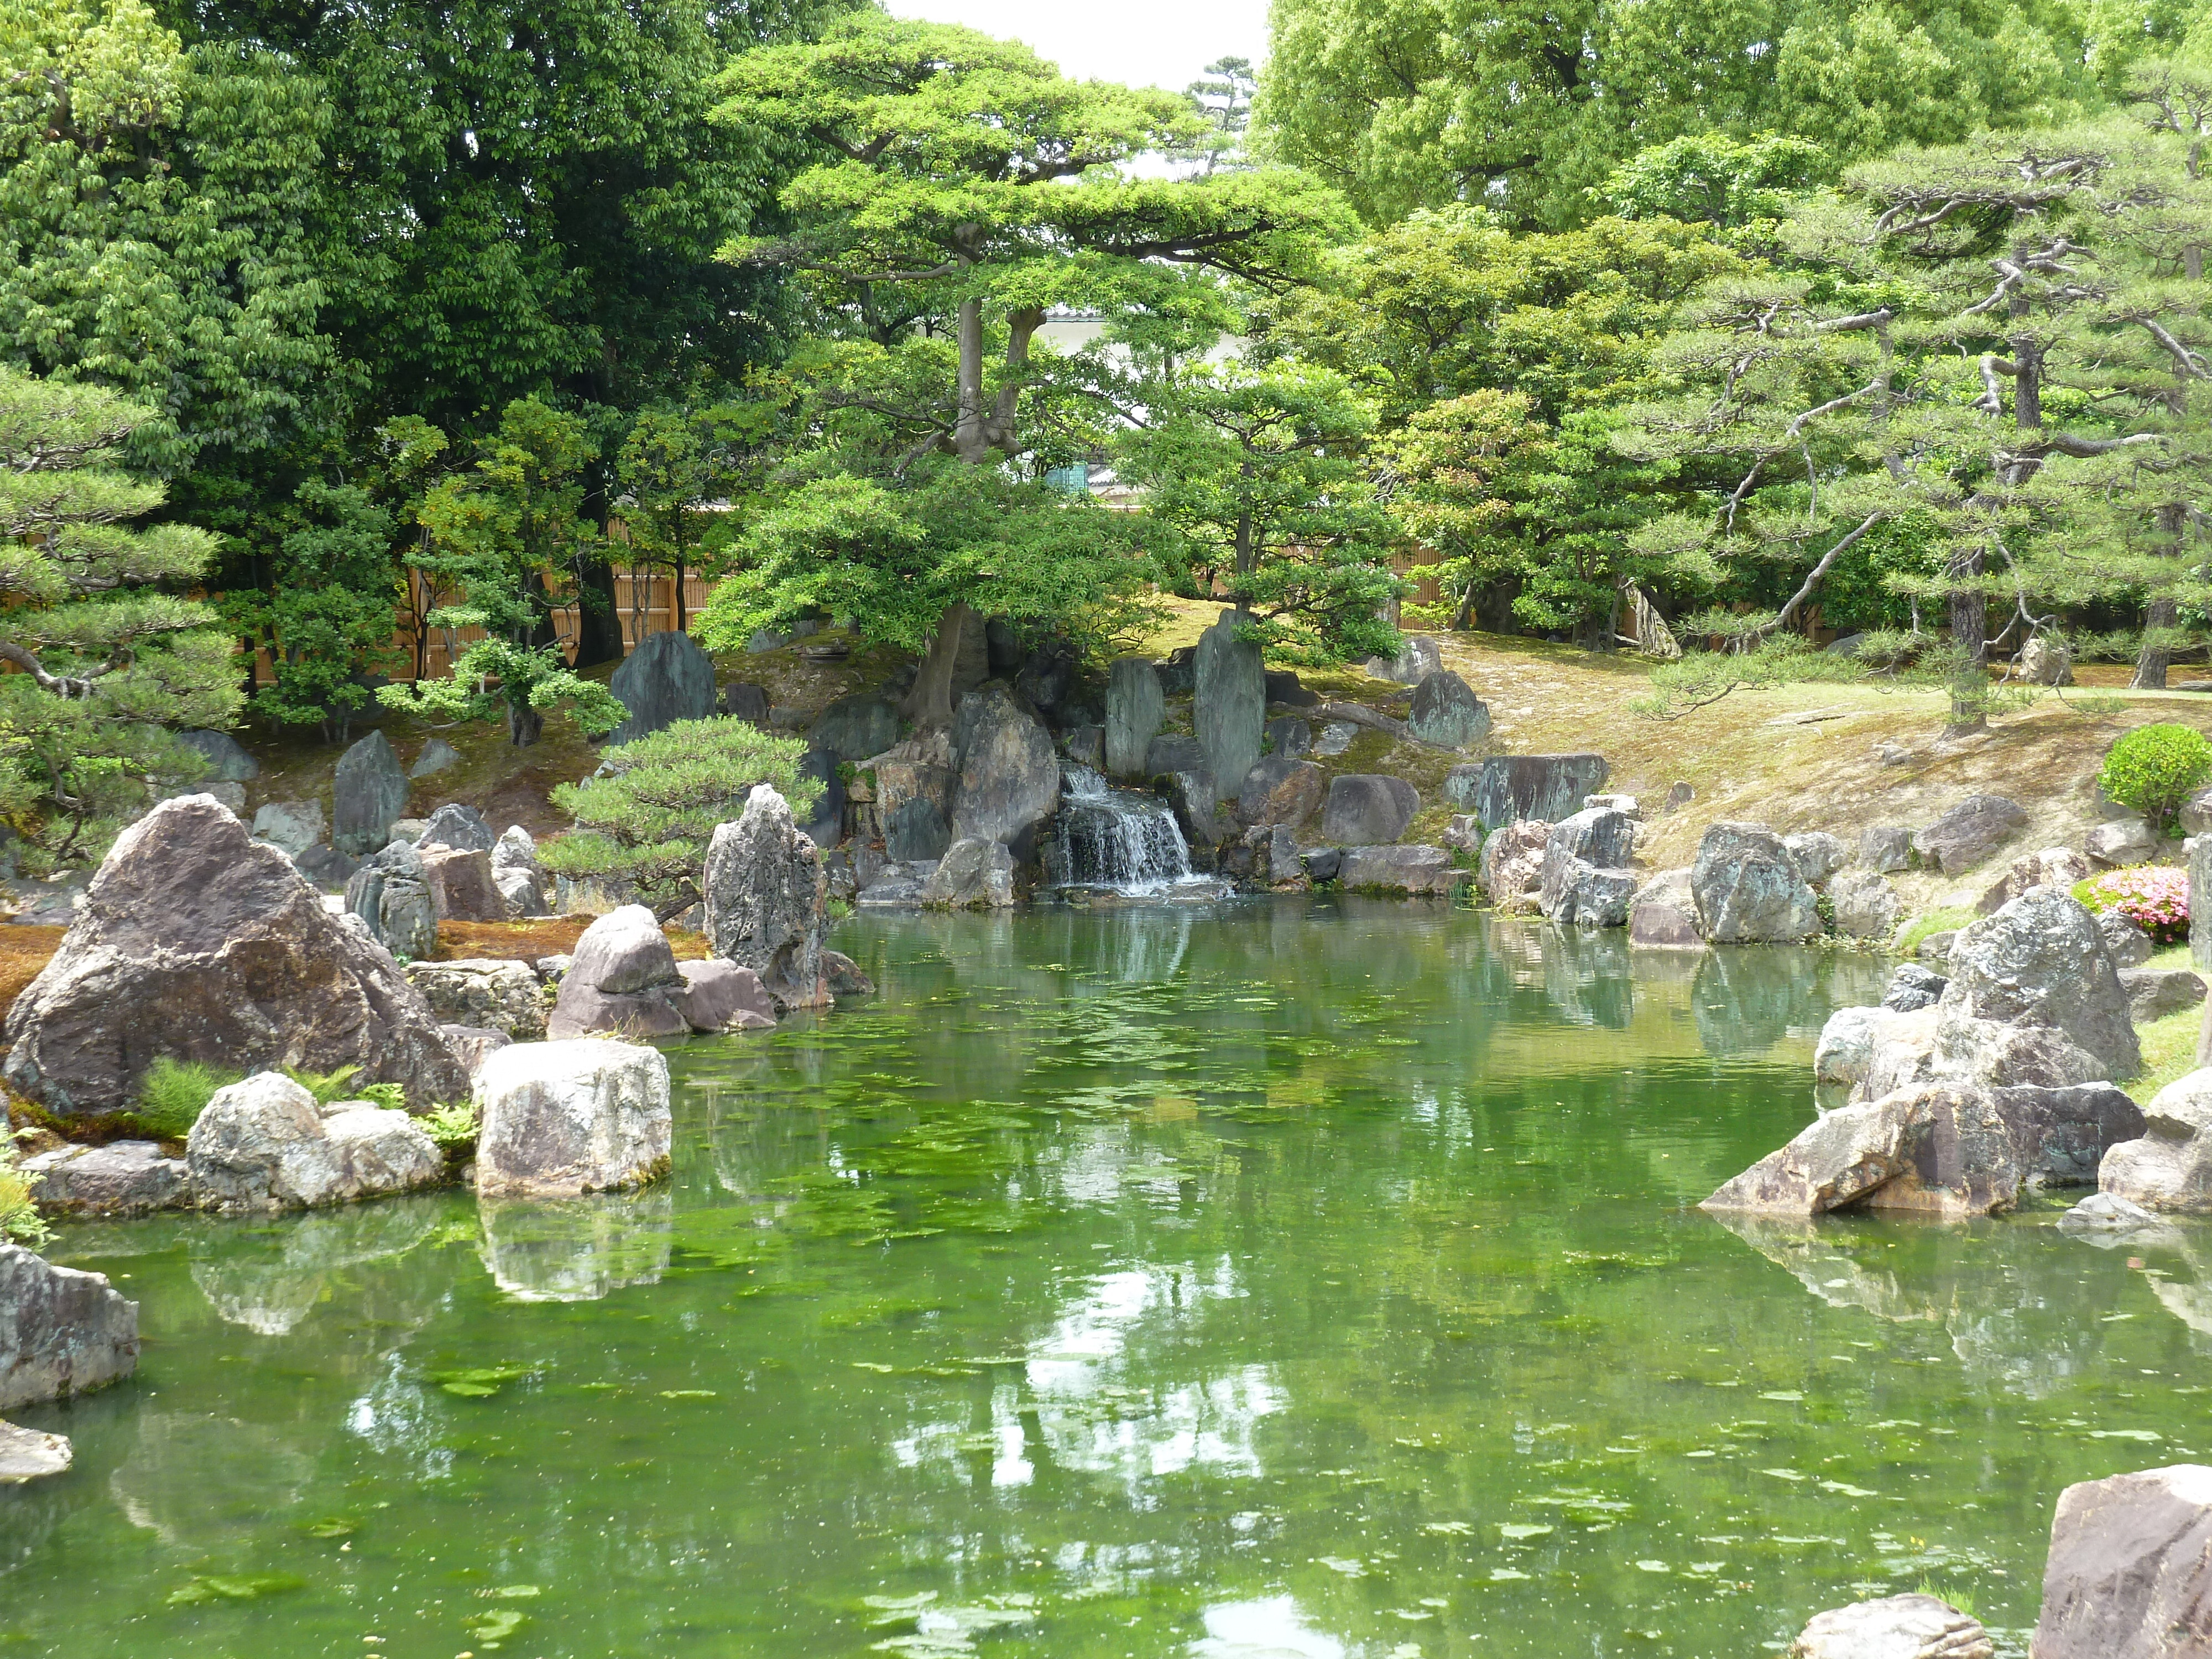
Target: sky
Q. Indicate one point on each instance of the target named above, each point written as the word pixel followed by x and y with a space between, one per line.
pixel 1159 43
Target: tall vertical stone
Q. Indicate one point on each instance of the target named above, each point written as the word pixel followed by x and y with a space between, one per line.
pixel 1134 708
pixel 1229 710
pixel 367 795
pixel 666 679
pixel 2199 848
pixel 764 896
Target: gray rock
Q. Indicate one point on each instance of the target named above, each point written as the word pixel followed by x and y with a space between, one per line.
pixel 1178 670
pixel 1865 904
pixel 1510 870
pixel 292 826
pixel 551 970
pixel 2129 1572
pixel 853 728
pixel 916 829
pixel 1664 912
pixel 1584 878
pixel 2196 813
pixel 433 756
pixel 325 868
pixel 1847 1045
pixel 263 1146
pixel 1748 888
pixel 1322 863
pixel 491 992
pixel 1134 709
pixel 1819 854
pixel 197 943
pixel 1174 754
pixel 62 1331
pixel 1280 863
pixel 1936 947
pixel 1085 745
pixel 745 702
pixel 1912 988
pixel 227 762
pixel 2054 866
pixel 30 1454
pixel 1008 776
pixel 1393 869
pixel 1418 658
pixel 1446 713
pixel 1913 1626
pixel 975 874
pixel 1962 837
pixel 368 792
pixel 898 890
pixel 408 829
pixel 1046 677
pixel 2129 945
pixel 2040 961
pixel 826 827
pixel 844 975
pixel 564 1118
pixel 391 895
pixel 517 873
pixel 1367 809
pixel 1627 805
pixel 762 640
pixel 1284 690
pixel 1280 789
pixel 1335 738
pixel 2199 851
pixel 1886 848
pixel 2155 992
pixel 2124 842
pixel 1289 738
pixel 720 996
pixel 623 980
pixel 1840 1156
pixel 2105 1218
pixel 1228 703
pixel 472 1045
pixel 456 826
pixel 2170 1167
pixel 1679 796
pixel 1596 897
pixel 460 883
pixel 665 679
pixel 764 899
pixel 1463 834
pixel 1191 798
pixel 2060 1134
pixel 1546 786
pixel 123 1178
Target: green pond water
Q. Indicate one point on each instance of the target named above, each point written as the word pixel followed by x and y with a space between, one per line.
pixel 1282 1281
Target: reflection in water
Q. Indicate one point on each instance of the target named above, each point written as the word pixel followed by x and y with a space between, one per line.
pixel 269 1278
pixel 577 1249
pixel 1269 1629
pixel 200 1482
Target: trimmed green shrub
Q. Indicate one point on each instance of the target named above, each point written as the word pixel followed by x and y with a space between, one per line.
pixel 173 1094
pixel 2154 769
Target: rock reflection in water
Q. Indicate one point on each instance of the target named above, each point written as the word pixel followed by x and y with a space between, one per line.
pixel 577 1249
pixel 269 1280
pixel 200 1481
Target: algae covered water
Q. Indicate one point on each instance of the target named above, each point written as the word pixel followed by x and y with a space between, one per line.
pixel 1288 1279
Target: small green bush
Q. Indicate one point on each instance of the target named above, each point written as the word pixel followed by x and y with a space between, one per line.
pixel 2154 769
pixel 20 1219
pixel 453 1128
pixel 330 1087
pixel 172 1095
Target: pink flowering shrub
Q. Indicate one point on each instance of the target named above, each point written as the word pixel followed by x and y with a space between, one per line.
pixel 2154 896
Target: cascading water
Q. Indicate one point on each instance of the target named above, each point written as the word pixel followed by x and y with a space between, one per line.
pixel 1120 841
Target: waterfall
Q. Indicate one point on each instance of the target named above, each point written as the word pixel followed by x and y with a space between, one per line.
pixel 1118 841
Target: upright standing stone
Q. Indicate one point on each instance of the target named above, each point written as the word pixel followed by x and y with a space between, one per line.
pixel 1134 708
pixel 666 679
pixel 587 1115
pixel 1446 713
pixel 1229 711
pixel 2199 848
pixel 764 899
pixel 228 763
pixel 368 794
pixel 827 827
pixel 1008 781
pixel 2129 1572
pixel 391 893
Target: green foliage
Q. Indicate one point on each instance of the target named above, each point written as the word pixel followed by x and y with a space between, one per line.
pixel 677 473
pixel 328 1087
pixel 1710 177
pixel 1260 474
pixel 20 1219
pixel 452 1128
pixel 108 658
pixel 645 824
pixel 2154 769
pixel 494 677
pixel 174 1093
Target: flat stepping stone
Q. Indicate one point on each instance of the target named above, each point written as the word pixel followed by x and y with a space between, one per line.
pixel 28 1455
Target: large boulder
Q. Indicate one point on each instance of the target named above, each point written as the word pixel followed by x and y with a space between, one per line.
pixel 291 826
pixel 516 872
pixel 1508 786
pixel 623 980
pixel 1886 848
pixel 1510 870
pixel 2129 1572
pixel 1838 1158
pixel 62 1331
pixel 197 943
pixel 1664 912
pixel 2040 961
pixel 556 1119
pixel 2170 1167
pixel 1446 714
pixel 461 883
pixel 1962 837
pixel 1916 1626
pixel 853 728
pixel 666 679
pixel 975 874
pixel 1280 789
pixel 2129 945
pixel 123 1178
pixel 264 1145
pixel 916 831
pixel 765 896
pixel 1585 878
pixel 1134 709
pixel 491 992
pixel 391 895
pixel 228 763
pixel 368 794
pixel 1229 699
pixel 1397 870
pixel 1749 889
pixel 1008 774
pixel 1418 657
pixel 1367 809
pixel 722 996
pixel 457 826
pixel 1866 906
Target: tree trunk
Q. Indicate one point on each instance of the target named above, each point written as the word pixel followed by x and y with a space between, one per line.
pixel 599 623
pixel 929 704
pixel 2159 614
pixel 969 440
pixel 524 725
pixel 1970 611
